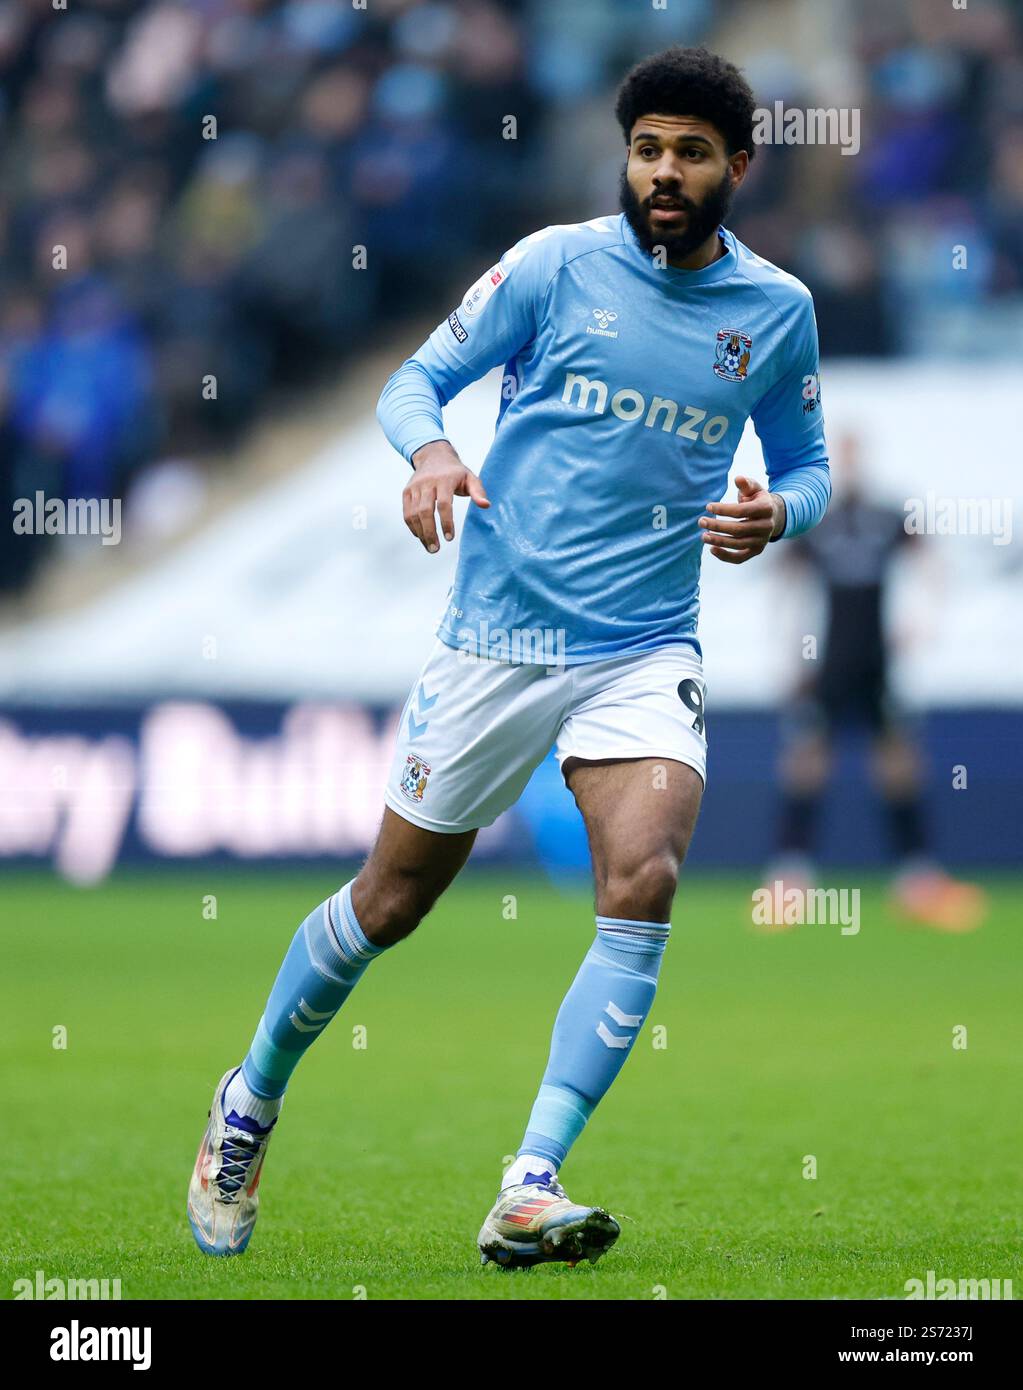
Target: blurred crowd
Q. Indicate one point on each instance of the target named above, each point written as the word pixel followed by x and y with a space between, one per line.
pixel 184 182
pixel 915 245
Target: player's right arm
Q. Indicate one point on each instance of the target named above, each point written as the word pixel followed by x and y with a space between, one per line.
pixel 496 318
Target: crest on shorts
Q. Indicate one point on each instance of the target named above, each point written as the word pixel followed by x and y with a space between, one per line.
pixel 731 357
pixel 413 779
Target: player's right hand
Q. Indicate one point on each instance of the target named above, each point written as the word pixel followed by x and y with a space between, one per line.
pixel 439 476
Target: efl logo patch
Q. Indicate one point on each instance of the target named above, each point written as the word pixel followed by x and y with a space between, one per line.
pixel 413 779
pixel 731 357
pixel 457 328
pixel 477 295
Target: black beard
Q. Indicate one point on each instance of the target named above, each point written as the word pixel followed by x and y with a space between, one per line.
pixel 701 221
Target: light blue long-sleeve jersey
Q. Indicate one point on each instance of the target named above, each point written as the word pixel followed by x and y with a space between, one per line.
pixel 626 389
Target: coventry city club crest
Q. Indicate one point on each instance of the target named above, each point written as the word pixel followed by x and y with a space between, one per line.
pixel 413 779
pixel 731 359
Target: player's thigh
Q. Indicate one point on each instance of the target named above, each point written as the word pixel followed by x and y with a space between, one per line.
pixel 634 752
pixel 467 741
pixel 640 815
pixel 407 870
pixel 804 763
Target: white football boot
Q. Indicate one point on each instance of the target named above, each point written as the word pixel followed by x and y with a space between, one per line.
pixel 222 1197
pixel 535 1223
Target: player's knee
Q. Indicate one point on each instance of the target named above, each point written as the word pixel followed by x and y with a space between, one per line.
pixel 804 767
pixel 896 769
pixel 394 906
pixel 641 891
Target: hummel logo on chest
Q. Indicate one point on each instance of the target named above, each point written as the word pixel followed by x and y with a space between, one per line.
pixel 604 317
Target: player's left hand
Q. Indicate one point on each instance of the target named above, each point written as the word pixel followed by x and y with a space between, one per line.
pixel 758 515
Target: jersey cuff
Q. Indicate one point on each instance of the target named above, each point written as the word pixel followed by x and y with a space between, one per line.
pixel 781 534
pixel 410 449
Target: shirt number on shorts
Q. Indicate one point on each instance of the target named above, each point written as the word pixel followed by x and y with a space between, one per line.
pixel 691 696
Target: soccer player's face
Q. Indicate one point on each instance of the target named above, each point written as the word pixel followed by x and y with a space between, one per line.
pixel 678 182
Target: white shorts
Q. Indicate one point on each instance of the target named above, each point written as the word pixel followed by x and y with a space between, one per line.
pixel 472 731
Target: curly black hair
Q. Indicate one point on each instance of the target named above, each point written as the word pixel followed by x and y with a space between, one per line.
pixel 689 82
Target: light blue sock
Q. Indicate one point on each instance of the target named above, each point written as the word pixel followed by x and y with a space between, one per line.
pixel 598 1022
pixel 322 967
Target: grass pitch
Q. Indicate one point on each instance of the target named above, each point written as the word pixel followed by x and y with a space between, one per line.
pixel 388 1156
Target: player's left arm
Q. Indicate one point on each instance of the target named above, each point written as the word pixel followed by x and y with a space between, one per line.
pixel 790 426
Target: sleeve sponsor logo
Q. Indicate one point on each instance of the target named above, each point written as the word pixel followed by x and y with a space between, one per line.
pixel 456 328
pixel 811 392
pixel 477 295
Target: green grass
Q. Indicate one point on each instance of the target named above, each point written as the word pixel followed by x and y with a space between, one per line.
pixel 387 1159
